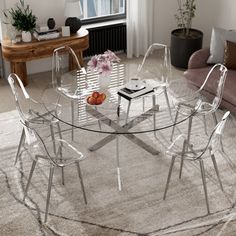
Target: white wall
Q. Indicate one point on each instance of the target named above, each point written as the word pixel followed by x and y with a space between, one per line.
pixel 209 13
pixel 164 21
pixel 207 17
pixel 226 15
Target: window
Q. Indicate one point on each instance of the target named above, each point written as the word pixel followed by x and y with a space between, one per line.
pixel 101 10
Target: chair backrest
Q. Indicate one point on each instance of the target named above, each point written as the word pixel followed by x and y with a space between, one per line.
pixel 42 148
pixel 22 98
pixel 37 148
pixel 214 83
pixel 66 71
pixel 214 141
pixel 156 63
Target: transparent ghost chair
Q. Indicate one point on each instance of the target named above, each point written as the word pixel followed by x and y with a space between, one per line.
pixel 197 104
pixel 41 151
pixel 155 71
pixel 68 76
pixel 179 149
pixel 32 111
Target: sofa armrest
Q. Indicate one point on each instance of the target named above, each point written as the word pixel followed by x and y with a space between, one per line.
pixel 199 58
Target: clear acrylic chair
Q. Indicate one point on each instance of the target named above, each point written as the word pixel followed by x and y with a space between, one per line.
pixel 40 149
pixel 179 149
pixel 66 76
pixel 196 104
pixel 155 70
pixel 32 111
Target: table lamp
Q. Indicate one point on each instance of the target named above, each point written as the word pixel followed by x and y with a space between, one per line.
pixel 72 12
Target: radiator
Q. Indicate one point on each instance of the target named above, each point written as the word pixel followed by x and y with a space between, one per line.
pixel 112 37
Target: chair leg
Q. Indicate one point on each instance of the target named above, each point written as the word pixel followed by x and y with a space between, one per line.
pixel 117 147
pixel 222 145
pixel 190 121
pixel 62 176
pixel 49 192
pixel 143 104
pixel 59 129
pixel 182 159
pixel 204 184
pixel 61 159
pixel 72 120
pixel 173 129
pixel 22 140
pixel 216 122
pixel 81 181
pixel 118 163
pixel 58 123
pixel 169 176
pixel 204 122
pixel 118 106
pixel 217 170
pixel 53 138
pixel 181 166
pixel 127 113
pixel 29 179
pixel 215 118
pixel 167 101
pixel 154 115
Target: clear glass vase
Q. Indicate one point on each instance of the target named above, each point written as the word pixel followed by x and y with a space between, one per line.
pixel 104 82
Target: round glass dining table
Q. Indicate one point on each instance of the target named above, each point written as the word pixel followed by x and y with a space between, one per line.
pixel 148 113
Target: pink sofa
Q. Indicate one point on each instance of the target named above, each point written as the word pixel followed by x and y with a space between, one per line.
pixel 196 74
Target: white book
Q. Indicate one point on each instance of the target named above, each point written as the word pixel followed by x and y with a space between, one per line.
pixel 46 36
pixel 42 28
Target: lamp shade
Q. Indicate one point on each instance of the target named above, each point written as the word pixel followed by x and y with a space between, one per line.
pixel 73 9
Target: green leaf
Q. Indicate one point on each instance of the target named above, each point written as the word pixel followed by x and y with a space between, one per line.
pixel 186 12
pixel 21 17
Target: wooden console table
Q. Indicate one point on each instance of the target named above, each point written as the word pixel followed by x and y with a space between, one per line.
pixel 18 53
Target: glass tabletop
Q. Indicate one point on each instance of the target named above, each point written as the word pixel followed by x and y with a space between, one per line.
pixel 147 113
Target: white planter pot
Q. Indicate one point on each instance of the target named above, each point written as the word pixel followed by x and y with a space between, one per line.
pixel 26 36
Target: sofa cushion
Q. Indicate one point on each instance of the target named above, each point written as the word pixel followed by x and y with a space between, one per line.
pixel 218 39
pixel 196 77
pixel 230 55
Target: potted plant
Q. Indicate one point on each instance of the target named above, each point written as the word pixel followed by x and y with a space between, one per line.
pixel 22 19
pixel 185 40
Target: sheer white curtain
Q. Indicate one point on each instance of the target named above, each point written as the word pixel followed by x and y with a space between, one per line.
pixel 140 15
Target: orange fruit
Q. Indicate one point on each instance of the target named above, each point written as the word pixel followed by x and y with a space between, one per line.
pixel 103 95
pixel 95 94
pixel 88 99
pixel 99 100
pixel 91 100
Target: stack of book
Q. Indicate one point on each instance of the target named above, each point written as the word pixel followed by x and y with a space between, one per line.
pixel 130 94
pixel 44 33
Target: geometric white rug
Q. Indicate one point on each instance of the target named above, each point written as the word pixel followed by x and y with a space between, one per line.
pixel 136 210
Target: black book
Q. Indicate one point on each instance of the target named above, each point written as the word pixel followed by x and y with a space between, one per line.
pixel 55 30
pixel 130 94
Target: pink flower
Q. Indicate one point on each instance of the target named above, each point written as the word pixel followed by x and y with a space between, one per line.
pixel 112 56
pixel 93 63
pixel 105 68
pixel 103 62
